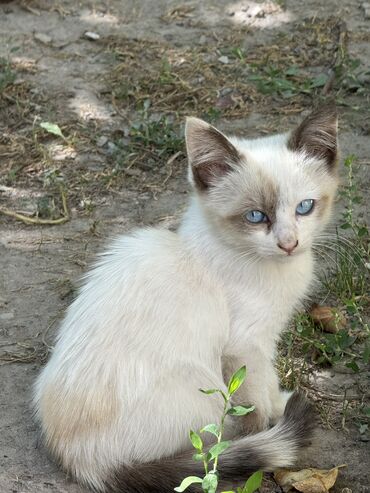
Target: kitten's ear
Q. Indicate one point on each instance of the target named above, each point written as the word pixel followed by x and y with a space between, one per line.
pixel 317 135
pixel 211 154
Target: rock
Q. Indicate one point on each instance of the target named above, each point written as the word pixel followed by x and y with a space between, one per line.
pixel 112 148
pixel 101 141
pixel 366 8
pixel 224 59
pixel 43 38
pixel 133 172
pixel 225 102
pixel 6 316
pixel 91 36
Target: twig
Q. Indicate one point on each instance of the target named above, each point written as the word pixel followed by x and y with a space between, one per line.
pixel 36 220
pixel 332 397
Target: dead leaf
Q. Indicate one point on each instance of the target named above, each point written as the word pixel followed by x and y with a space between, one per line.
pixel 330 319
pixel 307 480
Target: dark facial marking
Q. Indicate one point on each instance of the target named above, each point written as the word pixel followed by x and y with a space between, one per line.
pixel 264 199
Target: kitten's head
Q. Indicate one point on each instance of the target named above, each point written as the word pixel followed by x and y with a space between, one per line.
pixel 272 195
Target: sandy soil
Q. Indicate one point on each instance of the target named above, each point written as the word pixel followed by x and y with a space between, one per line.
pixel 64 75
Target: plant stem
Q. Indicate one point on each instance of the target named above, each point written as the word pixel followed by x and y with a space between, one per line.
pixel 219 437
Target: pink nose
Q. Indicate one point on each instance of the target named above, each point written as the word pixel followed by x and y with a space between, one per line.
pixel 288 247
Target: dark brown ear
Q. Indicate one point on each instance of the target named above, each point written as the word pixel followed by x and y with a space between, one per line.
pixel 211 154
pixel 317 135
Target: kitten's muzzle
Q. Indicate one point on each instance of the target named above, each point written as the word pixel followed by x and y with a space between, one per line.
pixel 288 247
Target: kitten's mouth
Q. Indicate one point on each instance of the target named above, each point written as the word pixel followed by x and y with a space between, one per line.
pixel 287 256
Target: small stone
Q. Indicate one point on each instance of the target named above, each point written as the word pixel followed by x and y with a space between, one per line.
pixel 225 102
pixel 3 302
pixel 366 7
pixel 101 141
pixel 133 172
pixel 43 38
pixel 224 59
pixel 112 148
pixel 6 316
pixel 225 91
pixel 203 40
pixel 91 36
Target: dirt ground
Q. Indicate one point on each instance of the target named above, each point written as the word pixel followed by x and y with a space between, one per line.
pixel 55 72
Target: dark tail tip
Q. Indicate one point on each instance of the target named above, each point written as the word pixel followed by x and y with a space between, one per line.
pixel 300 417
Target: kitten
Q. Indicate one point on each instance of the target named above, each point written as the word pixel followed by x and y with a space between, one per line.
pixel 163 314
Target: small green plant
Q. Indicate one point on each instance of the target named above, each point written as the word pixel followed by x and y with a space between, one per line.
pixel 345 283
pixel 271 79
pixel 165 75
pixel 210 456
pixel 352 197
pixel 149 142
pixel 328 348
pixel 7 75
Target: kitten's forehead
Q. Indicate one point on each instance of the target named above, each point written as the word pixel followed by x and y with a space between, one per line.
pixel 292 174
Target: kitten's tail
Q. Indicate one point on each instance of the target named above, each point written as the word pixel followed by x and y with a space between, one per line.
pixel 267 451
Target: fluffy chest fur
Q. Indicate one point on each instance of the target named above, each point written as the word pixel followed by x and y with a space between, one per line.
pixel 261 294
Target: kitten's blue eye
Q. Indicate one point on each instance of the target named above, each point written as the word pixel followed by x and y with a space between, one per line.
pixel 305 207
pixel 256 217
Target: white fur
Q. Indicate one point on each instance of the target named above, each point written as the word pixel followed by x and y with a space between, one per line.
pixel 163 314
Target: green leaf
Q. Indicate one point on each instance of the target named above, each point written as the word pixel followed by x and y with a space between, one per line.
pixel 214 429
pixel 198 457
pixel 214 391
pixel 366 411
pixel 319 81
pixel 237 379
pixel 353 365
pixel 210 482
pixel 253 483
pixel 217 449
pixel 52 128
pixel 292 71
pixel 240 410
pixel 187 482
pixel 196 440
pixel 209 391
pixel 362 231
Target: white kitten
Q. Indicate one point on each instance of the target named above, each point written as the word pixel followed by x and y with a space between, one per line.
pixel 163 314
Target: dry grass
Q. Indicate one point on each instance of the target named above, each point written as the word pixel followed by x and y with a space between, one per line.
pixel 197 80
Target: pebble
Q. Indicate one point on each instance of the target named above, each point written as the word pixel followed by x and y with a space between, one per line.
pixel 112 148
pixel 91 36
pixel 366 7
pixel 43 38
pixel 224 59
pixel 6 316
pixel 101 141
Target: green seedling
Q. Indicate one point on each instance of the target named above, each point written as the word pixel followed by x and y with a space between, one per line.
pixel 210 455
